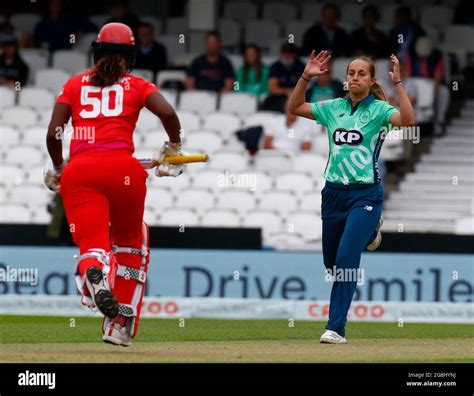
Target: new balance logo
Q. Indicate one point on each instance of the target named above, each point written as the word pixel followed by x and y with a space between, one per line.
pixel 343 136
pixel 368 208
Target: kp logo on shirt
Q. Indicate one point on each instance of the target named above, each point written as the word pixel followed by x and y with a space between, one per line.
pixel 350 137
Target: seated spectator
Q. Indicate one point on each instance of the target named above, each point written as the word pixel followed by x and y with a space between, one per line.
pixel 405 32
pixel 55 29
pixel 283 76
pixel 367 40
pixel 289 133
pixel 12 68
pixel 150 54
pixel 326 35
pixel 252 76
pixel 325 88
pixel 211 71
pixel 427 61
pixel 121 13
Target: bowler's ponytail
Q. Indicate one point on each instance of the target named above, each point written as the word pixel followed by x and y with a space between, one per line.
pixel 378 91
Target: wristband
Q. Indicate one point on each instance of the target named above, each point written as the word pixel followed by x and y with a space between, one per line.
pixel 398 82
pixel 305 78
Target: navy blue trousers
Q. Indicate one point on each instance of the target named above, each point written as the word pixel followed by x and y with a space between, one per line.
pixel 350 214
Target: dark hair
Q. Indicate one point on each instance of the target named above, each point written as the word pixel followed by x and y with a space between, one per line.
pixel 247 66
pixel 109 68
pixel 290 48
pixel 329 6
pixel 373 9
pixel 146 25
pixel 214 33
pixel 376 89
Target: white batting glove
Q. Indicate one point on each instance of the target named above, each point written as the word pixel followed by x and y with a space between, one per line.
pixel 165 168
pixel 52 175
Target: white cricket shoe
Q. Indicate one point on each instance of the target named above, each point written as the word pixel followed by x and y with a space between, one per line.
pixel 378 239
pixel 116 333
pixel 331 337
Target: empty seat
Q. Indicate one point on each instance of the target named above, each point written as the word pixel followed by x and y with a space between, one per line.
pixel 240 200
pixel 208 178
pixel 285 240
pixel 25 156
pixel 20 117
pixel 269 221
pixel 170 95
pixel 202 102
pixel 306 223
pixel 174 47
pixel 35 136
pixel 33 195
pixel 263 118
pixel 206 141
pixel 263 32
pixel 424 108
pixel 35 176
pixel 175 184
pixel 164 76
pixel 159 198
pixel 178 217
pixel 40 215
pixel 188 121
pixel 7 97
pixel 73 62
pixel 311 202
pixel 310 162
pixel 220 218
pixel 10 135
pixel 36 59
pixel 36 98
pixel 240 10
pixel 280 201
pixel 150 216
pixel 14 214
pixel 228 160
pixel 224 123
pixel 83 45
pixel 273 160
pixel 199 199
pixel 465 226
pixel 279 11
pixel 12 174
pixel 147 121
pixel 155 139
pixel 299 182
pixel 146 74
pixel 240 103
pixel 52 79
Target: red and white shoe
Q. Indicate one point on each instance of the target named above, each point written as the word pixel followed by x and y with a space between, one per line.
pixel 116 332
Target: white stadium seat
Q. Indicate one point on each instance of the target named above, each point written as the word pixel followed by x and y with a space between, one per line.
pixel 170 75
pixel 35 176
pixel 269 221
pixel 159 198
pixel 10 135
pixel 204 140
pixel 83 45
pixel 281 201
pixel 465 226
pixel 200 199
pixel 175 184
pixel 7 97
pixel 299 182
pixel 40 215
pixel 208 178
pixel 202 102
pixel 241 200
pixel 177 217
pixel 308 224
pixel 36 98
pixel 26 156
pixel 242 104
pixel 146 74
pixel 15 213
pixel 284 240
pixel 228 160
pixel 224 123
pixel 73 62
pixel 273 160
pixel 263 32
pixel 36 59
pixel 36 136
pixel 220 218
pixel 240 10
pixel 20 117
pixel 52 79
pixel 147 121
pixel 311 202
pixel 424 108
pixel 170 95
pixel 155 139
pixel 279 11
pixel 263 118
pixel 174 48
pixel 33 195
pixel 188 121
pixel 150 216
pixel 310 162
pixel 12 174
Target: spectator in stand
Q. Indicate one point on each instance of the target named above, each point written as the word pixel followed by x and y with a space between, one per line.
pixel 427 61
pixel 367 40
pixel 326 35
pixel 252 76
pixel 150 54
pixel 121 13
pixel 405 32
pixel 288 133
pixel 12 68
pixel 55 29
pixel 325 87
pixel 283 77
pixel 211 71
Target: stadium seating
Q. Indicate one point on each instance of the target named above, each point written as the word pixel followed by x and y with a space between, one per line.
pixel 36 98
pixel 201 102
pixel 52 79
pixel 72 62
pixel 242 104
pixel 7 97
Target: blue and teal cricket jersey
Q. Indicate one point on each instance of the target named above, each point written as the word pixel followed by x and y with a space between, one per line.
pixel 355 137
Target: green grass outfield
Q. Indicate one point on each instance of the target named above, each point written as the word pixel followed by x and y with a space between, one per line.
pixel 54 339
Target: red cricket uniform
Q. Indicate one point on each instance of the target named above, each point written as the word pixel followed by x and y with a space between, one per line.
pixel 103 187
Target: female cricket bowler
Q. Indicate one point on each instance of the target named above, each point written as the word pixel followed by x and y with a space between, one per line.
pixel 102 185
pixel 352 197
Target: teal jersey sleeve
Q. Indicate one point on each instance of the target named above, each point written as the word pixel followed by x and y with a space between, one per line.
pixel 322 110
pixel 386 111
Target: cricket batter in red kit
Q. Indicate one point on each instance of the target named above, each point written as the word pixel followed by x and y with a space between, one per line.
pixel 102 185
